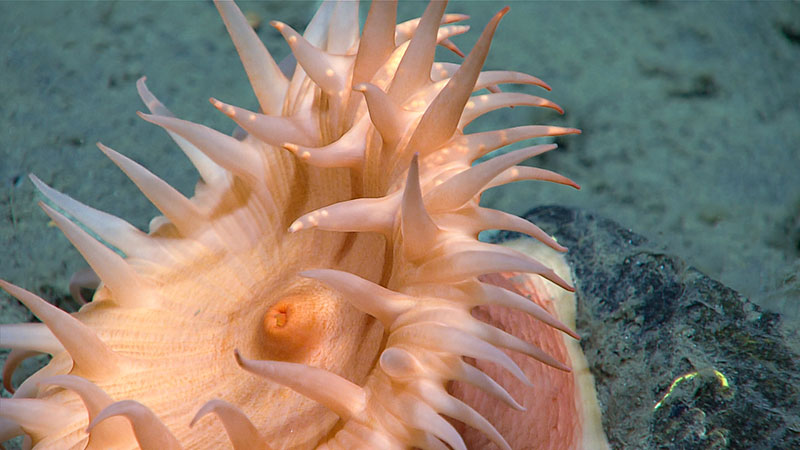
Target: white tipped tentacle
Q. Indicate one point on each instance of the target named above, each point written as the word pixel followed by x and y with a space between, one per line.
pixel 274 130
pixel 330 72
pixel 347 151
pixel 361 214
pixel 388 118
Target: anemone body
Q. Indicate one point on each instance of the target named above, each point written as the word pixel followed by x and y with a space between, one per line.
pixel 322 287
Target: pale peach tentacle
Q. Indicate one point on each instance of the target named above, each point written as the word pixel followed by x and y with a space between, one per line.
pixel 35 416
pixel 224 150
pixel 129 288
pixel 29 336
pixel 267 80
pixel 91 355
pixel 476 145
pixel 111 433
pixel 13 360
pixel 341 396
pixel 241 431
pixel 439 121
pixel 419 232
pixel 522 173
pixel 330 72
pixel 414 69
pixel 177 208
pixel 209 171
pixel 150 431
pixel 482 104
pixel 377 40
pixel 459 189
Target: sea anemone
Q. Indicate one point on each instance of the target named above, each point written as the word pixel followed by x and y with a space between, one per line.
pixel 331 247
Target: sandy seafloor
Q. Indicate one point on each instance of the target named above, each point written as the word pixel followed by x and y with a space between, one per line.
pixel 690 114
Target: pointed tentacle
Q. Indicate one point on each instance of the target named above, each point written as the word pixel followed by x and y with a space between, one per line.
pixel 127 287
pixel 150 431
pixel 91 355
pixel 448 405
pixel 377 40
pixel 209 171
pixel 419 232
pixel 523 173
pixel 341 396
pixel 383 304
pixel 476 145
pixel 224 150
pixel 460 265
pixel 482 104
pixel 361 214
pixel 440 120
pixel 442 338
pixel 268 82
pixel 347 151
pixel 415 67
pixel 110 228
pixel 274 130
pixel 36 416
pixel 463 187
pixel 389 119
pixel 177 208
pixel 108 434
pixel 241 431
pixel 495 77
pixel 405 31
pixel 29 336
pixel 330 72
pixel 13 360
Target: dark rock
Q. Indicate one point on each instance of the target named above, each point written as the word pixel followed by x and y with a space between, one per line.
pixel 647 319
